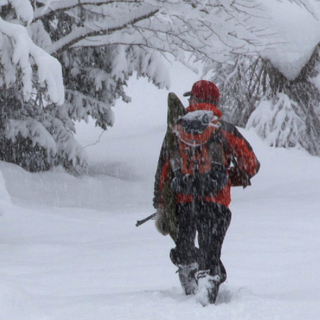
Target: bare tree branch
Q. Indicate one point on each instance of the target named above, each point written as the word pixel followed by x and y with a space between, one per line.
pixel 71 4
pixel 84 32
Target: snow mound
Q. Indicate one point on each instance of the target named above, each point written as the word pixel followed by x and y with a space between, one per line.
pixel 118 170
pixel 16 304
pixel 5 198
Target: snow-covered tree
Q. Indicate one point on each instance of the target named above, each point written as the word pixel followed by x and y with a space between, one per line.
pixel 26 73
pixel 99 44
pixel 255 94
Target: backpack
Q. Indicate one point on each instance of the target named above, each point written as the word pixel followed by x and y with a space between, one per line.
pixel 199 156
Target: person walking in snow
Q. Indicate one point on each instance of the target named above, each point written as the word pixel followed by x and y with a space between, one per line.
pixel 208 156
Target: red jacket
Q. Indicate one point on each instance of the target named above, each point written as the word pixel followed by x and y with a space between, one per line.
pixel 238 147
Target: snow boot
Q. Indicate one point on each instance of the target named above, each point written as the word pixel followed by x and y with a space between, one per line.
pixel 188 277
pixel 208 287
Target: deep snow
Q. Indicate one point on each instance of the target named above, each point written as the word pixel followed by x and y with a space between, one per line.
pixel 70 250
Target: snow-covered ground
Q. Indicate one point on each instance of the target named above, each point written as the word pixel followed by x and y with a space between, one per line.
pixel 70 250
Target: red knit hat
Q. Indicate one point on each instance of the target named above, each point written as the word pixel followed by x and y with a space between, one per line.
pixel 204 90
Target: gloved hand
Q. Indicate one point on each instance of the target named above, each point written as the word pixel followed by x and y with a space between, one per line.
pixel 238 177
pixel 161 222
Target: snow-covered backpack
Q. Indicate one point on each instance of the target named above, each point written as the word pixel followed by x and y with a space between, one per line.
pixel 198 160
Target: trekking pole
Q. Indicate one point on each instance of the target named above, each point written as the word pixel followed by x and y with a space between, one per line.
pixel 140 222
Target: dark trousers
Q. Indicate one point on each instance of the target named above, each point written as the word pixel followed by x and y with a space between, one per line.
pixel 211 221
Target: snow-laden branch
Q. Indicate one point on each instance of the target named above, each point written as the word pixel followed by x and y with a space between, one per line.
pixel 278 122
pixel 94 30
pixel 311 6
pixel 23 9
pixel 48 68
pixel 32 129
pixel 204 28
pixel 56 6
pixel 178 34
